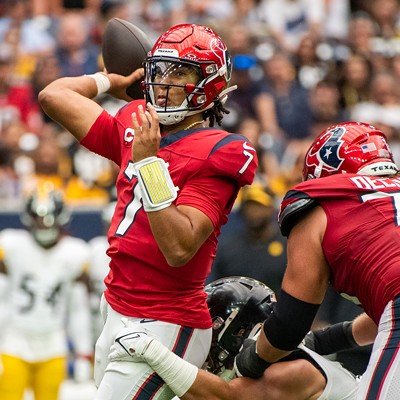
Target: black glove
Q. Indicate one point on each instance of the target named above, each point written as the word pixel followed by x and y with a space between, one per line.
pixel 248 362
pixel 332 339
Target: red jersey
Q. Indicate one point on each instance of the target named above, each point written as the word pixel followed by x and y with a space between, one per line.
pixel 208 166
pixel 362 238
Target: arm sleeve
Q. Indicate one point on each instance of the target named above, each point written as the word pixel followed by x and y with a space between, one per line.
pixel 214 196
pixel 231 163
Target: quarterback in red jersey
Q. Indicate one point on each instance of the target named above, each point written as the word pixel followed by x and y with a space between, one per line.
pixel 342 225
pixel 179 177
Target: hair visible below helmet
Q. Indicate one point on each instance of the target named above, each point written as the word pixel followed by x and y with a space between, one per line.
pixel 238 306
pixel 196 47
pixel 350 147
pixel 45 216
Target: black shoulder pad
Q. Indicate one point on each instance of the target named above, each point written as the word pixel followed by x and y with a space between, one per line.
pixel 292 212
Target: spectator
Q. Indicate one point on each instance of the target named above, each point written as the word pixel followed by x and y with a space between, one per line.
pixel 325 106
pixel 310 69
pixel 257 250
pixel 51 161
pixel 362 29
pixel 266 148
pixel 93 178
pixel 208 12
pixel 17 101
pixel 386 15
pixel 335 26
pixel 25 35
pixel 9 184
pixel 249 100
pixel 75 53
pixel 109 9
pixel 19 142
pixel 291 167
pixel 47 70
pixel 383 105
pixel 291 100
pixel 354 79
pixel 290 20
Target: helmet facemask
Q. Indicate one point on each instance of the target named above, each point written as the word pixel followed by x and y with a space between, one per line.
pixel 45 216
pixel 238 306
pixel 170 78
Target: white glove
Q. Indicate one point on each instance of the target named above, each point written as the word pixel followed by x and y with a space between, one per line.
pixel 82 370
pixel 130 343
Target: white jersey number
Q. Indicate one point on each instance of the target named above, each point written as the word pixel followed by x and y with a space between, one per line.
pixel 249 156
pixel 133 207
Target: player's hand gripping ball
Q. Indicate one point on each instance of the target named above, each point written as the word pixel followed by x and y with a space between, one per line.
pixel 124 50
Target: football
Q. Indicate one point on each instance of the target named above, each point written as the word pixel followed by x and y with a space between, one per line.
pixel 124 48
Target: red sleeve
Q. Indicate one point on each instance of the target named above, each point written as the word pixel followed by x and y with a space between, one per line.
pixel 103 138
pixel 214 196
pixel 231 164
pixel 234 157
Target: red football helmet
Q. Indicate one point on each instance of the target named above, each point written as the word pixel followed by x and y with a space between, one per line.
pixel 350 147
pixel 194 48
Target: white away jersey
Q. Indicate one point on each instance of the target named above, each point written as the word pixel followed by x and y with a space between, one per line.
pixel 40 281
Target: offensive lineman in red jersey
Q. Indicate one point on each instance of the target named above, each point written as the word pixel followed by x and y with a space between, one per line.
pixel 177 183
pixel 342 228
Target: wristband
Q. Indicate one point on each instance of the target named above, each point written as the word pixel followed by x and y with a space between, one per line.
pixel 102 82
pixel 158 190
pixel 248 362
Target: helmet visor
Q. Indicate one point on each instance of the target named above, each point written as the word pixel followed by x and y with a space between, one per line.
pixel 173 71
pixel 171 84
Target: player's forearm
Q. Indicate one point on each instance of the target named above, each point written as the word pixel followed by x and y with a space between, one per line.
pixel 209 387
pixel 364 330
pixel 184 379
pixel 178 233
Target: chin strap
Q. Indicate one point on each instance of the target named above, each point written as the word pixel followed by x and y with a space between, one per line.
pixel 224 94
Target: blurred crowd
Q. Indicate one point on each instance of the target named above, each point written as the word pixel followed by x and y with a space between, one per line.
pixel 300 65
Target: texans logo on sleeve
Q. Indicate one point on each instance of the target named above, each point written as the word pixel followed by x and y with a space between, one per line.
pixel 327 155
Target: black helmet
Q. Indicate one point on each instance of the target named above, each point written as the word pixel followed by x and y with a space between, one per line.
pixel 238 306
pixel 45 215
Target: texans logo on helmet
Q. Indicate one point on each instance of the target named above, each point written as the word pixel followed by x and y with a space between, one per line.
pixel 327 156
pixel 218 46
pixel 228 60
